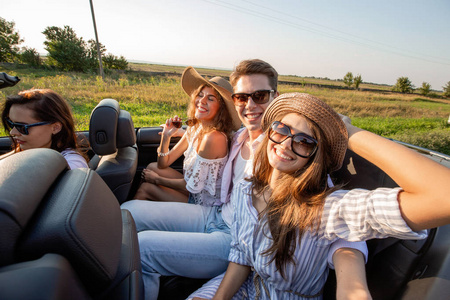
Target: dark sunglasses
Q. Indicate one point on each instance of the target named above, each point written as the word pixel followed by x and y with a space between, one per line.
pixel 301 144
pixel 23 128
pixel 259 97
pixel 188 122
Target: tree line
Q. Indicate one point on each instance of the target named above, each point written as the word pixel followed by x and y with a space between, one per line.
pixel 66 51
pixel 403 85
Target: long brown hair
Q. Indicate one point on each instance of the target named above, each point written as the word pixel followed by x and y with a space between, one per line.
pixel 47 106
pixel 296 205
pixel 222 119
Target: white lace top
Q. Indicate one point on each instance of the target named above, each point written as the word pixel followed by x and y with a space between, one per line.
pixel 203 176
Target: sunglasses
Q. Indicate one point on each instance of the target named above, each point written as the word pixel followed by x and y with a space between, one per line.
pixel 259 97
pixel 188 122
pixel 23 128
pixel 301 144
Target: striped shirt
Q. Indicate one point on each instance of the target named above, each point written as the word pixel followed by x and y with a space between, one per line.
pixel 355 215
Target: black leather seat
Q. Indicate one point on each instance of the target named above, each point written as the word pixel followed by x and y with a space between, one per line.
pixel 63 234
pixel 113 140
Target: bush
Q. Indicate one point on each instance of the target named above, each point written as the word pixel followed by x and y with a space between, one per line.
pixel 403 85
pixel 357 81
pixel 113 62
pixel 348 79
pixel 447 90
pixel 425 89
pixel 30 57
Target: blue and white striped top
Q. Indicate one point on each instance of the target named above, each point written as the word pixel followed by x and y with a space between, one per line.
pixel 353 215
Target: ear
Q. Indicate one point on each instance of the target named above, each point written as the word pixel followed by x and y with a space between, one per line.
pixel 56 127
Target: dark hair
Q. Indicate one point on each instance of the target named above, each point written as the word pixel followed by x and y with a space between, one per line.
pixel 48 106
pixel 255 66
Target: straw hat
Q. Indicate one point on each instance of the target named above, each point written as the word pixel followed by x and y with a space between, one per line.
pixel 191 81
pixel 319 112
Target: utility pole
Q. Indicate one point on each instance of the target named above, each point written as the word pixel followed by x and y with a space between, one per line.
pixel 98 45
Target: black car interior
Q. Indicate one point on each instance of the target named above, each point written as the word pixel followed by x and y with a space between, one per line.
pixel 63 233
pixel 113 140
pixel 64 236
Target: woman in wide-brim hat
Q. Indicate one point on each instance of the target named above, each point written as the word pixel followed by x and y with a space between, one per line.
pixel 287 217
pixel 212 118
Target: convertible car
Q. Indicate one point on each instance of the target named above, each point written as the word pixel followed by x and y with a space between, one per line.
pixel 64 236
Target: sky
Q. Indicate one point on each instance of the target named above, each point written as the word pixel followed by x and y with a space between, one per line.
pixel 381 40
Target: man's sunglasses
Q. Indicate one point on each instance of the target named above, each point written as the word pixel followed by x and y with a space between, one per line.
pixel 301 144
pixel 23 128
pixel 259 97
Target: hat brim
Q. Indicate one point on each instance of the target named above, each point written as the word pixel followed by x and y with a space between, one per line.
pixel 191 80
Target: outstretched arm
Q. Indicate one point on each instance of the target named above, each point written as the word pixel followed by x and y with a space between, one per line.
pixel 424 201
pixel 350 275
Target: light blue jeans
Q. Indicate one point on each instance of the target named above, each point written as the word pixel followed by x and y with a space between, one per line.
pixel 179 239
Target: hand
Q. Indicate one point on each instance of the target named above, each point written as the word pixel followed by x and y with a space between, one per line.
pixel 169 130
pixel 179 133
pixel 149 176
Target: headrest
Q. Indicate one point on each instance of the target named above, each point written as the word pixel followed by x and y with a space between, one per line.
pixel 103 127
pixel 110 128
pixel 126 135
pixel 23 186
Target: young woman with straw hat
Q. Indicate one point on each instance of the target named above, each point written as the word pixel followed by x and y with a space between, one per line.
pixel 212 118
pixel 287 217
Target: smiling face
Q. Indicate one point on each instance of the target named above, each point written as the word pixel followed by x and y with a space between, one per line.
pixel 280 156
pixel 39 136
pixel 207 104
pixel 251 113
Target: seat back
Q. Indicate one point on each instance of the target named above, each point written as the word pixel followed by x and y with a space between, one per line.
pixel 71 213
pixel 23 187
pixel 113 140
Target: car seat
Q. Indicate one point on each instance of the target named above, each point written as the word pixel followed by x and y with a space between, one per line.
pixel 113 140
pixel 63 233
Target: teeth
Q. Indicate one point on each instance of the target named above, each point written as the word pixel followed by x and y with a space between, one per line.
pixel 253 116
pixel 282 155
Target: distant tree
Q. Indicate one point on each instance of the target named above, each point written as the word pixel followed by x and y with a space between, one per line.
pixel 113 62
pixel 403 85
pixel 30 57
pixel 357 81
pixel 9 41
pixel 425 89
pixel 69 52
pixel 447 90
pixel 92 53
pixel 348 79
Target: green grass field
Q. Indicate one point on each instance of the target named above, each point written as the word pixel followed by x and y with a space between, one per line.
pixel 152 93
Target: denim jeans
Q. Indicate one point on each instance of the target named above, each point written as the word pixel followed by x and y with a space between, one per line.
pixel 179 239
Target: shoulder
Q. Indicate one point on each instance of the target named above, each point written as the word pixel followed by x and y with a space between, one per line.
pixel 74 159
pixel 214 145
pixel 215 137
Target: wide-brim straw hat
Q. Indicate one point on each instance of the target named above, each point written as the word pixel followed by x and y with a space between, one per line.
pixel 317 111
pixel 191 80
